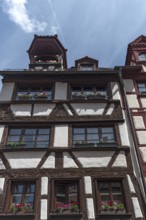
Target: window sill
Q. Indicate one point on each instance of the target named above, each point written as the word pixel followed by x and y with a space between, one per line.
pixel 110 215
pixel 66 216
pixel 11 149
pixel 98 145
pixel 18 213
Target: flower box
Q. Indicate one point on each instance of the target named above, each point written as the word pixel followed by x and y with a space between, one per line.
pixel 82 145
pixel 120 211
pixel 20 208
pixel 41 95
pixel 92 97
pixel 24 96
pixel 78 97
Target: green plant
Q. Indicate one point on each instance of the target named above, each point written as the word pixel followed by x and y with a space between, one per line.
pixel 109 205
pixel 17 207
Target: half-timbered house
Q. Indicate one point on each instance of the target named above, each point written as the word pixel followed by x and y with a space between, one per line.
pixel 66 148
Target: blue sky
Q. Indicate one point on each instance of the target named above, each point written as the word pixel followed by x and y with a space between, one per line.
pixel 100 29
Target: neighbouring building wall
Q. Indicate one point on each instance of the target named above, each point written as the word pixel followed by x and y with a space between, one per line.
pixel 7 92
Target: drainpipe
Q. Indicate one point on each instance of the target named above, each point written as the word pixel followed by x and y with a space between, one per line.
pixel 137 153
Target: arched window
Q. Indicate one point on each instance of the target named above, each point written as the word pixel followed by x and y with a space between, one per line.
pixel 142 56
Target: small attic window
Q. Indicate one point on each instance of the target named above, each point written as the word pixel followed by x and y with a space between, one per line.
pixel 142 56
pixel 86 67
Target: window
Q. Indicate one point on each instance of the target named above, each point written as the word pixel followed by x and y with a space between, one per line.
pixel 22 197
pixel 142 57
pixel 66 198
pixel 89 92
pixel 110 196
pixel 29 137
pixel 86 67
pixel 93 135
pixel 34 93
pixel 142 87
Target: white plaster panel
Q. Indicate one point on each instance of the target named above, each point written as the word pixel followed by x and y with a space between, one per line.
pixel 60 90
pixel 134 110
pixel 138 122
pixel 94 159
pixel 120 160
pixel 2 167
pixel 144 68
pixel 90 208
pixel 110 109
pixel 88 184
pixel 2 181
pixel 89 108
pixel 115 90
pixel 7 91
pixel 50 161
pixel 124 134
pixel 1 132
pixel 131 186
pixel 143 102
pixel 20 160
pixel 68 110
pixel 136 207
pixel 44 209
pixel 44 186
pixel 21 109
pixel 143 153
pixel 61 136
pixel 132 101
pixel 68 161
pixel 129 85
pixel 43 109
pixel 141 137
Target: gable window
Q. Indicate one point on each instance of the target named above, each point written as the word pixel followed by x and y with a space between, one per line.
pixel 66 197
pixel 34 93
pixel 86 67
pixel 142 87
pixel 110 197
pixel 89 92
pixel 93 136
pixel 22 197
pixel 28 137
pixel 142 56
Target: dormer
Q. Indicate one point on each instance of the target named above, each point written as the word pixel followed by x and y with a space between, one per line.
pixel 86 64
pixel 47 53
pixel 136 52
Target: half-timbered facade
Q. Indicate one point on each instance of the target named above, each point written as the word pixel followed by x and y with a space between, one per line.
pixel 66 143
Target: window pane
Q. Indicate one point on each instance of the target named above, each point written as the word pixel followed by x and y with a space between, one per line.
pixel 42 137
pixel 44 131
pixel 29 198
pixel 30 188
pixel 72 193
pixel 30 131
pixel 16 199
pixel 42 144
pixel 15 131
pixel 19 188
pixel 13 139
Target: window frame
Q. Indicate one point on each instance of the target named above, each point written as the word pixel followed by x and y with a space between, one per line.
pixel 90 91
pixel 138 87
pixel 142 56
pixel 11 184
pixel 21 142
pixel 109 182
pixel 87 143
pixel 41 94
pixel 67 182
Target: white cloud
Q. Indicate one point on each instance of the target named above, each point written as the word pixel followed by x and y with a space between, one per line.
pixel 54 29
pixel 18 13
